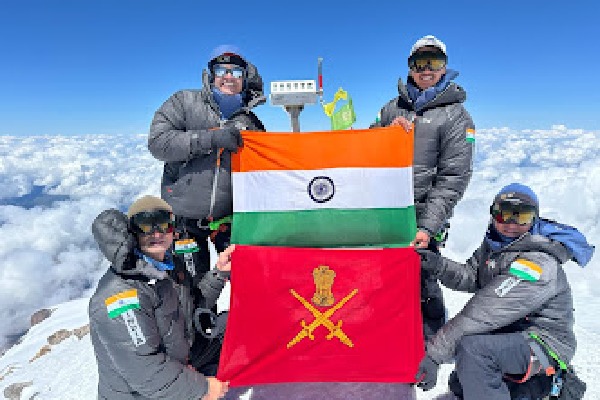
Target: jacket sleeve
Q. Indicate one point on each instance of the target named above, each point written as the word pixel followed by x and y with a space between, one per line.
pixel 454 169
pixel 211 285
pixel 459 276
pixel 169 140
pixel 506 299
pixel 145 367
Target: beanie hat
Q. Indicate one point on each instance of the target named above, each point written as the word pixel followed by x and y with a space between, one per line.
pixel 428 40
pixel 148 203
pixel 226 54
pixel 519 194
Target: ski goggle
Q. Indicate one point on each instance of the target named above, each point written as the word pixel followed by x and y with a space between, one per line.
pixel 221 71
pixel 506 213
pixel 148 222
pixel 421 61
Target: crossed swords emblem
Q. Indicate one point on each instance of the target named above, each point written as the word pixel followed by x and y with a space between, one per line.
pixel 322 318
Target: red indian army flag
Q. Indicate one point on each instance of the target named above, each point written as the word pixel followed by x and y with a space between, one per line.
pixel 322 315
pixel 324 189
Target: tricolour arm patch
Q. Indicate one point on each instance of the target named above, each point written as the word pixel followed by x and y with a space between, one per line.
pixel 121 302
pixel 470 135
pixel 525 269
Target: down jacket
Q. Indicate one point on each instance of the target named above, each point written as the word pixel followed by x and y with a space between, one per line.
pixel 443 157
pixel 188 176
pixel 504 303
pixel 141 354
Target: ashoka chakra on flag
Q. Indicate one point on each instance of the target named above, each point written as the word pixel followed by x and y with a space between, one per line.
pixel 324 189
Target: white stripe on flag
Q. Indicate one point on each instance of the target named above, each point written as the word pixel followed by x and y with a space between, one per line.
pixel 355 188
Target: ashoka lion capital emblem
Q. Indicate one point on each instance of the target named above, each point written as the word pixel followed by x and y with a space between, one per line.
pixel 323 277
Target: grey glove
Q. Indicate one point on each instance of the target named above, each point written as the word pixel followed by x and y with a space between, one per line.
pixel 430 261
pixel 228 138
pixel 208 324
pixel 427 373
pixel 116 241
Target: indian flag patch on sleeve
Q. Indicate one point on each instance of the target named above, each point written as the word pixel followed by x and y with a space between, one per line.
pixel 525 269
pixel 470 135
pixel 121 302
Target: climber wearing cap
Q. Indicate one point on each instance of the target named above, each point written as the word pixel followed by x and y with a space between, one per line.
pixel 516 332
pixel 139 322
pixel 443 153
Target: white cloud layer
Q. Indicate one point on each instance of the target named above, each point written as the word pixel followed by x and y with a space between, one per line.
pixel 47 254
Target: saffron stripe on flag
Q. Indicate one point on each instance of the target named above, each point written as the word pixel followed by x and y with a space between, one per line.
pixel 125 294
pixel 360 148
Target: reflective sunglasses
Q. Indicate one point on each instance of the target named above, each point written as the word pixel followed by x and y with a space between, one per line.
pixel 148 222
pixel 521 214
pixel 221 71
pixel 421 61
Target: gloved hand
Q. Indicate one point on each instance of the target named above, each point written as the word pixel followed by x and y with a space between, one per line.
pixel 430 261
pixel 427 373
pixel 228 138
pixel 116 241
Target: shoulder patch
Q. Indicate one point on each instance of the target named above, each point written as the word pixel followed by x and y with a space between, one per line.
pixel 525 270
pixel 470 135
pixel 121 302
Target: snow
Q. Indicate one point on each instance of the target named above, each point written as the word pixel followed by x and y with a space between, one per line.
pixel 55 186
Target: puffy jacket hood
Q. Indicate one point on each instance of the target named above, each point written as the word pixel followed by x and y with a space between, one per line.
pixel 580 250
pixel 574 243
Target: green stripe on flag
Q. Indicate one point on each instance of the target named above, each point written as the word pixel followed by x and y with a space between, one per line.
pixel 394 227
pixel 118 311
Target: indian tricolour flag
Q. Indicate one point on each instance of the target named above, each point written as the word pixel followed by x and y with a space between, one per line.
pixel 525 269
pixel 324 189
pixel 121 302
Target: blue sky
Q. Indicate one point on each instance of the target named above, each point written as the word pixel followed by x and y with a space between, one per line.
pixel 76 67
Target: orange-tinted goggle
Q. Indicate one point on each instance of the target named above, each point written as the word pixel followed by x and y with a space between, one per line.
pixel 506 213
pixel 419 62
pixel 148 222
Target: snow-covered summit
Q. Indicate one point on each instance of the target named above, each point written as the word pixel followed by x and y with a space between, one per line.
pixel 55 186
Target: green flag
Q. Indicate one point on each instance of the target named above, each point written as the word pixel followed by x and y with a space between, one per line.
pixel 344 117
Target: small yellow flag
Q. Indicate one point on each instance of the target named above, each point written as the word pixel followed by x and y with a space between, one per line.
pixel 328 108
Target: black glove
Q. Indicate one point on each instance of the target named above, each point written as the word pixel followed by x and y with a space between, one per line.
pixel 427 373
pixel 430 261
pixel 116 241
pixel 228 138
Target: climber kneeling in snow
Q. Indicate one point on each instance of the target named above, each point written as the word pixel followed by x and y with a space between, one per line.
pixel 140 319
pixel 514 338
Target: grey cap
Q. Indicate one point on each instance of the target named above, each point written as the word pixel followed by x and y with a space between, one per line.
pixel 428 40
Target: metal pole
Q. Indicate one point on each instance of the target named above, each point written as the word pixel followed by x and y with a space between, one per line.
pixel 294 112
pixel 320 76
